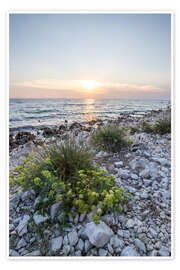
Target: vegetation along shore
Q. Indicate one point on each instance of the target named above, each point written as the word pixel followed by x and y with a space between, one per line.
pixel 100 188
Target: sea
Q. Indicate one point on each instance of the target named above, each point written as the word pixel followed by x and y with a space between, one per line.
pixel 37 113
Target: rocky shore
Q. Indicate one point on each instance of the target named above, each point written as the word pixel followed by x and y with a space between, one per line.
pixel 144 227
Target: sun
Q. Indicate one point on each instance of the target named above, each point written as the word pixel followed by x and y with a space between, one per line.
pixel 88 84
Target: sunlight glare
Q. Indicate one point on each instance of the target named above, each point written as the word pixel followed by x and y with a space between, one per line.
pixel 88 84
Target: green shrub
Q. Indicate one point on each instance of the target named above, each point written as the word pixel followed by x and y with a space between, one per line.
pixel 81 188
pixel 162 126
pixel 69 157
pixel 146 127
pixel 110 138
pixel 134 130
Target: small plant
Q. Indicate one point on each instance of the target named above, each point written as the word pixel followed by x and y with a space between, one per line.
pixel 110 138
pixel 66 174
pixel 162 126
pixel 146 127
pixel 134 130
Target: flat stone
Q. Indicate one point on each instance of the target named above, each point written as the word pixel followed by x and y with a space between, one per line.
pixel 116 242
pixel 77 253
pixel 123 173
pixel 11 227
pixel 29 194
pixel 76 219
pixel 134 176
pixel 87 245
pixel 140 245
pixel 56 244
pixel 145 173
pixel 39 218
pixel 13 252
pixel 14 201
pixel 22 227
pixel 153 253
pixel 34 253
pixel 118 164
pixel 55 209
pixel 152 232
pixel 129 251
pixel 110 249
pixel 21 243
pixel 99 234
pixel 164 252
pixel 73 238
pixel 163 161
pixel 65 240
pixel 130 223
pixel 80 245
pixel 82 217
pixel 102 252
pixel 66 249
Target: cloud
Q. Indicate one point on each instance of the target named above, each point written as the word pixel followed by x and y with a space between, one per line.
pixel 76 84
pixel 74 88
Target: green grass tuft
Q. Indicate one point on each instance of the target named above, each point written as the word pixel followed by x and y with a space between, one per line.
pixel 110 138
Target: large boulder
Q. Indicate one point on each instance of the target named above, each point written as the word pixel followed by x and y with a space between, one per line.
pixel 99 234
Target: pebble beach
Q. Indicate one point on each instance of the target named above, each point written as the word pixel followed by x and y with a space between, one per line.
pixel 144 170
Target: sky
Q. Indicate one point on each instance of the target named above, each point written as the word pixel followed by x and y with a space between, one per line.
pixel 90 56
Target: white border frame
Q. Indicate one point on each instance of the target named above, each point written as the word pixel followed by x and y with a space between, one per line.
pixel 87 258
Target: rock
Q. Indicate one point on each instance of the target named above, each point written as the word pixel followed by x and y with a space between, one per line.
pixel 39 218
pixel 116 242
pixel 56 244
pixel 153 253
pixel 163 161
pixel 87 245
pixel 14 201
pixel 22 227
pixel 110 249
pixel 140 245
pixel 76 219
pixel 11 227
pixel 123 173
pixel 65 240
pixel 21 243
pixel 152 232
pixel 147 182
pixel 82 217
pixel 138 164
pixel 102 252
pixel 131 190
pixel 13 252
pixel 55 209
pixel 130 223
pixel 145 173
pixel 99 234
pixel 61 217
pixel 80 245
pixel 164 252
pixel 129 251
pixel 118 164
pixel 73 238
pixel 29 194
pixel 134 176
pixel 66 249
pixel 77 253
pixel 34 253
pixel 108 219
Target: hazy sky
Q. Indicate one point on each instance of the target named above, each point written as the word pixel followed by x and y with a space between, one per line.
pixel 90 55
